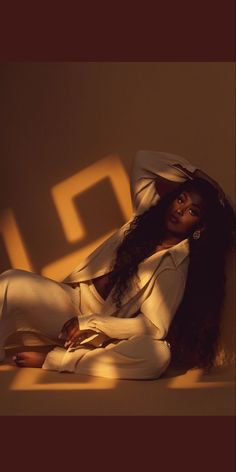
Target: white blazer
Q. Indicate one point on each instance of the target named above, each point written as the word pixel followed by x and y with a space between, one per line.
pixel 162 276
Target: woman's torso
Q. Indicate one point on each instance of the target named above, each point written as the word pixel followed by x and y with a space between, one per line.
pixel 102 283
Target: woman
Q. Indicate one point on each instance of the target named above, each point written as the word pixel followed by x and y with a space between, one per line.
pixel 152 291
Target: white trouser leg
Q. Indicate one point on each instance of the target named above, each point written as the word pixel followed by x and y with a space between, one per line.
pixel 30 302
pixel 140 357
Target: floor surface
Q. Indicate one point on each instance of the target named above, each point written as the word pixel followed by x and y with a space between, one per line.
pixel 31 391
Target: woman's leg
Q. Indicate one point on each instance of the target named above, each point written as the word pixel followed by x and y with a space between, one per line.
pixel 30 302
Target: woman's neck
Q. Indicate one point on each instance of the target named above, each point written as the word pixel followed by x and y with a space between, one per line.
pixel 169 239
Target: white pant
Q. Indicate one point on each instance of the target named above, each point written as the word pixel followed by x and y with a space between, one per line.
pixel 30 302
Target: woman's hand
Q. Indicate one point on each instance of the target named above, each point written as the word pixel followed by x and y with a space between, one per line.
pixel 185 171
pixel 203 175
pixel 70 331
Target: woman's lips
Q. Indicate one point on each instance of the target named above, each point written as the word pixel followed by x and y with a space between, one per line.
pixel 173 219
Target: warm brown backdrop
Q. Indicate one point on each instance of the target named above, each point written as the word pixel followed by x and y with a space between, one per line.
pixel 58 118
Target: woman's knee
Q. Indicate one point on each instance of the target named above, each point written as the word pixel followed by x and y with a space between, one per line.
pixel 13 273
pixel 155 353
pixel 15 285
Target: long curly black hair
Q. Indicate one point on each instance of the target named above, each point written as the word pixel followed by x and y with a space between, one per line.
pixel 195 330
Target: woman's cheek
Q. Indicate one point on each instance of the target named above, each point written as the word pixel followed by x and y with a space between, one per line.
pixel 188 224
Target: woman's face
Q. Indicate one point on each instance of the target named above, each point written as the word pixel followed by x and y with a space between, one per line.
pixel 185 213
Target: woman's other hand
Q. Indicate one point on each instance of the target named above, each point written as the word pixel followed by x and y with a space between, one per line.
pixel 70 331
pixel 203 175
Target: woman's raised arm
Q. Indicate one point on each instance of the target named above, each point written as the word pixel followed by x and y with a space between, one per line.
pixel 155 173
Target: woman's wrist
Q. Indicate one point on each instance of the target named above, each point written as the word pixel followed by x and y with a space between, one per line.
pixel 185 170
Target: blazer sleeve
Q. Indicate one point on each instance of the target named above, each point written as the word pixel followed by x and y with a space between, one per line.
pixel 147 167
pixel 118 328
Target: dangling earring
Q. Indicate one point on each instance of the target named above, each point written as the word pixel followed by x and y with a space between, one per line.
pixel 196 234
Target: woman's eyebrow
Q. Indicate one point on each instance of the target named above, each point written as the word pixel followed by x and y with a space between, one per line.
pixel 194 204
pixel 198 207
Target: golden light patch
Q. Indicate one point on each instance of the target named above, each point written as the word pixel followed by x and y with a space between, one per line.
pixel 193 379
pixel 64 194
pixel 36 379
pixel 13 241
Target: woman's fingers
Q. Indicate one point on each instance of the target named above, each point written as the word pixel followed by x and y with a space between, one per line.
pixel 74 344
pixel 70 331
pixel 76 341
pixel 66 327
pixel 74 332
pixel 71 340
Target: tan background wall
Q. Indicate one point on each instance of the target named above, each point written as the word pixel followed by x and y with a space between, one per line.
pixel 57 119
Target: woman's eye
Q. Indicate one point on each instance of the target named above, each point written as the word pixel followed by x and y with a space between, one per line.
pixel 180 200
pixel 193 213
